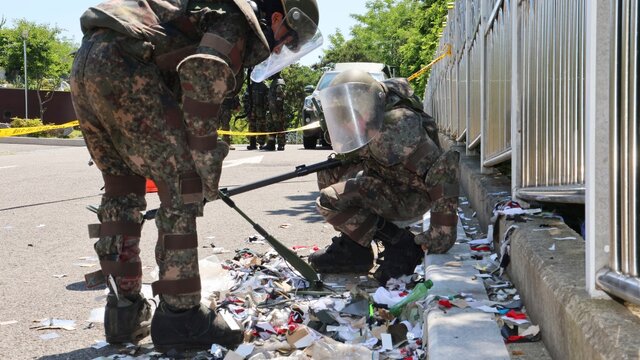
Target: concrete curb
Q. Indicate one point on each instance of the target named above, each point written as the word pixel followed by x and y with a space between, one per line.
pixel 552 282
pixel 460 333
pixel 42 141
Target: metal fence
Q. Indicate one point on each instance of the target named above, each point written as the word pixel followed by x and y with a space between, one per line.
pixel 471 92
pixel 514 89
pixel 621 276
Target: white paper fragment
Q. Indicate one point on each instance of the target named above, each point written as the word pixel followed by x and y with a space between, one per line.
pixel 59 276
pixel 553 247
pixel 387 343
pixel 532 330
pixel 9 322
pixel 99 344
pixel 516 321
pixel 49 336
pixel 41 226
pixel 229 320
pixel 245 350
pixel 96 315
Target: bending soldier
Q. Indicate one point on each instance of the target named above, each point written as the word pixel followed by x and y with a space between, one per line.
pixel 147 85
pixel 277 118
pixel 396 172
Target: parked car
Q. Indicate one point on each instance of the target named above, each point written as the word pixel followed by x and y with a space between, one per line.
pixel 312 109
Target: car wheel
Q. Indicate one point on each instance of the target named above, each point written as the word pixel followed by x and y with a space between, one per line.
pixel 309 142
pixel 324 143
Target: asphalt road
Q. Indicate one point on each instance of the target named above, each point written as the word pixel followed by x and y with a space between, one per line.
pixel 44 242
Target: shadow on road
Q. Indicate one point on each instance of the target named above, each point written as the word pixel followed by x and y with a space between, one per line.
pixel 81 286
pixel 306 210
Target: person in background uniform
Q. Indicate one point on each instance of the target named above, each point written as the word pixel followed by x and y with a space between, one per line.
pixel 277 118
pixel 395 172
pixel 229 106
pixel 147 84
pixel 257 113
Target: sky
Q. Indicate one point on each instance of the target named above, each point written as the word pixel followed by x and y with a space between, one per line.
pixel 65 14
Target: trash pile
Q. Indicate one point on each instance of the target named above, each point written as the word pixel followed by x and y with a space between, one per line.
pixel 284 318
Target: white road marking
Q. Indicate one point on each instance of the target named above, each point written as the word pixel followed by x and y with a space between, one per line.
pixel 249 160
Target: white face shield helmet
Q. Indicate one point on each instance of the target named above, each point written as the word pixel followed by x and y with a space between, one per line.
pixel 354 113
pixel 302 37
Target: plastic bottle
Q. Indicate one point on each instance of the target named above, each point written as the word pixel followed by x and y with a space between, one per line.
pixel 419 292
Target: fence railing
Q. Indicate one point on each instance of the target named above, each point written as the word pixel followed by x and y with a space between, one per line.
pixel 471 93
pixel 621 276
pixel 515 90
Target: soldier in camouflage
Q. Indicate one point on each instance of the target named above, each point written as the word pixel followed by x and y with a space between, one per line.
pixel 396 171
pixel 277 118
pixel 147 84
pixel 229 106
pixel 256 108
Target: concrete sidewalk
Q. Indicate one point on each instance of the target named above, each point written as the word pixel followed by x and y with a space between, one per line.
pixel 550 276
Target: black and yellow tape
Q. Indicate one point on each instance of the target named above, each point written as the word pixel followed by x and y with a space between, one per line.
pixel 34 129
pixel 447 52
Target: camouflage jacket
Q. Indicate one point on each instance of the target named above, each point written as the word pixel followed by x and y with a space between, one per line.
pixel 276 96
pixel 259 99
pixel 176 24
pixel 407 145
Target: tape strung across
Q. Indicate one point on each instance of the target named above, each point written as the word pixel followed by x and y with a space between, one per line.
pixel 34 129
pixel 447 52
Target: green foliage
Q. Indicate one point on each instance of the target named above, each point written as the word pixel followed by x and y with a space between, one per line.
pixel 18 123
pixel 403 34
pixel 49 56
pixel 296 78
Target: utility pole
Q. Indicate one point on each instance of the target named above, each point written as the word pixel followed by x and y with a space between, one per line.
pixel 25 35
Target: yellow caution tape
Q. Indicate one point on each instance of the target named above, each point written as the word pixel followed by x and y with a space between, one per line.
pixel 35 129
pixel 313 125
pixel 447 52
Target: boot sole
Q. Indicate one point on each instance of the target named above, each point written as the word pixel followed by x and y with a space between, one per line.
pixel 343 269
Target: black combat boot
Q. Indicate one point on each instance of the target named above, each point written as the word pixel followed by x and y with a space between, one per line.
pixel 270 146
pixel 196 328
pixel 280 147
pixel 342 256
pixel 401 254
pixel 252 143
pixel 126 320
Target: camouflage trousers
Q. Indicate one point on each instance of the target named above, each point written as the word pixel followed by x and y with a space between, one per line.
pixel 278 123
pixel 258 125
pixel 353 202
pixel 124 110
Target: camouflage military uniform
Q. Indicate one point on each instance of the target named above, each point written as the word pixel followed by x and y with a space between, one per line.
pixel 257 113
pixel 147 84
pixel 229 105
pixel 277 117
pixel 398 176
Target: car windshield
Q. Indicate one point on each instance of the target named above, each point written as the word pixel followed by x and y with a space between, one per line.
pixel 326 79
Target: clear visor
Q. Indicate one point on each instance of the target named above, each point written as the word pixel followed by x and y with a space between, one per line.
pixel 303 36
pixel 354 113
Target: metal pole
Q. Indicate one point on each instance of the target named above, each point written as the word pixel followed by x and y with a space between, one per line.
pixel 25 34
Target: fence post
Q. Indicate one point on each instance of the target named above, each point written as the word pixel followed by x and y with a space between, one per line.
pixel 597 120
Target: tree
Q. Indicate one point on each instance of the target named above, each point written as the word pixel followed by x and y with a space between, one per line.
pixel 403 34
pixel 296 77
pixel 49 57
